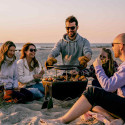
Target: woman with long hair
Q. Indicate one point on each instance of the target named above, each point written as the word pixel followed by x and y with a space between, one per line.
pixel 9 75
pixel 109 65
pixel 30 71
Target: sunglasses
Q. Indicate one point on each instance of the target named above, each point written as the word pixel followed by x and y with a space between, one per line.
pixel 72 28
pixel 102 56
pixel 33 50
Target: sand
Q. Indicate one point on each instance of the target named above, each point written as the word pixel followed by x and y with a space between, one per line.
pixel 31 113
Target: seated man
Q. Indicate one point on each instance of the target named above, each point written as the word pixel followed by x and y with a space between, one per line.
pixel 74 49
pixel 113 103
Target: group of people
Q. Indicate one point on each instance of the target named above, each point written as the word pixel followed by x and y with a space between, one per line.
pixel 22 79
pixel 107 93
pixel 104 97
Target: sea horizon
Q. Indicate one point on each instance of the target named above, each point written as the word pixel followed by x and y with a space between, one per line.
pixel 42 46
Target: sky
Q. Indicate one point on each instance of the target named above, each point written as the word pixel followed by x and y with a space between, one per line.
pixel 100 21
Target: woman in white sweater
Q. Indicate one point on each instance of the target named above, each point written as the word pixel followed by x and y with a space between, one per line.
pixel 30 71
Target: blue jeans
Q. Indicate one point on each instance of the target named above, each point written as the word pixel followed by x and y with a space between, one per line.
pixel 37 90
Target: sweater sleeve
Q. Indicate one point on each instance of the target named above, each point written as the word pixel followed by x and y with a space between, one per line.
pixel 87 50
pixel 21 76
pixel 15 76
pixel 113 83
pixel 56 50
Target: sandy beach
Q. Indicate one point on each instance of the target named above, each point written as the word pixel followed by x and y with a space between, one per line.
pixel 31 113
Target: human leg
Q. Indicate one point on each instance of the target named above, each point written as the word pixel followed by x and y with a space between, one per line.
pixel 40 87
pixel 28 95
pixel 107 100
pixel 103 112
pixel 80 107
pixel 100 110
pixel 95 96
pixel 35 91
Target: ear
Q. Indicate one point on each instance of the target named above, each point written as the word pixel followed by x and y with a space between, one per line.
pixel 77 27
pixel 121 47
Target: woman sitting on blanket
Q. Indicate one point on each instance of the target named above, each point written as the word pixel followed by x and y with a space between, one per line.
pixel 30 71
pixel 9 77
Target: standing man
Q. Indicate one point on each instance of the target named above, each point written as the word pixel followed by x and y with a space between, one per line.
pixel 74 48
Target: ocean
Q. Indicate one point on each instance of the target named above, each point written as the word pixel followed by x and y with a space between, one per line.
pixel 42 46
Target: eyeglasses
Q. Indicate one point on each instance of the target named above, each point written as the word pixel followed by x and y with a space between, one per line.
pixel 72 28
pixel 115 43
pixel 102 56
pixel 33 50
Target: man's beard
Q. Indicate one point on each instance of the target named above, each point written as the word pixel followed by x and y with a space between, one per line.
pixel 74 34
pixel 117 54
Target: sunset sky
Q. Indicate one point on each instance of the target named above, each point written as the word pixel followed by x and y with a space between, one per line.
pixel 44 20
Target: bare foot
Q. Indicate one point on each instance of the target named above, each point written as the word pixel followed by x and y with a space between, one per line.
pixel 59 120
pixel 54 121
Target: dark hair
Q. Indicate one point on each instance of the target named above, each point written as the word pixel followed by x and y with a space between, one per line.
pixel 72 19
pixel 4 50
pixel 23 54
pixel 111 61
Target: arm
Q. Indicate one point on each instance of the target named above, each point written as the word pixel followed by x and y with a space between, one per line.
pixel 38 69
pixel 113 83
pixel 54 53
pixel 87 54
pixel 88 72
pixel 15 76
pixel 56 50
pixel 87 50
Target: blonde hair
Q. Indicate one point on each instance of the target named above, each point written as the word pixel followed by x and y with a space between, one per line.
pixel 4 50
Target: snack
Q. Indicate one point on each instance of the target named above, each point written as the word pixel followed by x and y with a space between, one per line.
pixel 63 78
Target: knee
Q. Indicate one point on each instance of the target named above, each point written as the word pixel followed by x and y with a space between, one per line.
pixel 90 94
